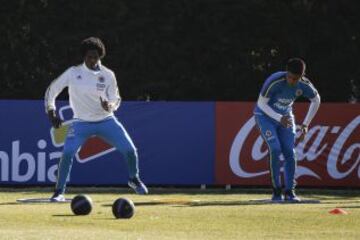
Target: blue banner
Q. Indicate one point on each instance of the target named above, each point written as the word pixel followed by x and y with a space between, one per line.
pixel 175 142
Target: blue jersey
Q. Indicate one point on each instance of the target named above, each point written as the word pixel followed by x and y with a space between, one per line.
pixel 282 95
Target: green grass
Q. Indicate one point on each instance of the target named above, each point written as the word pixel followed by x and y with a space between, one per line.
pixel 181 214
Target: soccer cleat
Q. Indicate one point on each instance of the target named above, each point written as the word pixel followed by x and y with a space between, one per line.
pixel 58 197
pixel 138 186
pixel 290 196
pixel 277 195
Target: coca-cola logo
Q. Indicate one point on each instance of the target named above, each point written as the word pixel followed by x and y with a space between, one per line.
pixel 342 157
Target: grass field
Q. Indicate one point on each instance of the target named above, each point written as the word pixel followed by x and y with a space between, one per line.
pixel 181 214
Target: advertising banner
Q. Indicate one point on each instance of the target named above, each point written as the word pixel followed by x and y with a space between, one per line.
pixel 175 142
pixel 180 143
pixel 328 156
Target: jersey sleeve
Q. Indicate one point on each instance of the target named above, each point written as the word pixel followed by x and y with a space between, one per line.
pixel 112 93
pixel 309 91
pixel 55 89
pixel 263 105
pixel 314 106
pixel 270 86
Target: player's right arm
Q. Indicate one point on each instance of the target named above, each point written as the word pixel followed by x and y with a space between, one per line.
pixel 52 92
pixel 266 93
pixel 264 106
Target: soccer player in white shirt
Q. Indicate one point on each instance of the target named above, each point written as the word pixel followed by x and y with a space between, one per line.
pixel 94 96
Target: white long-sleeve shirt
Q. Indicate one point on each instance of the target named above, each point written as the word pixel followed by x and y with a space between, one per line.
pixel 85 88
pixel 314 106
pixel 277 97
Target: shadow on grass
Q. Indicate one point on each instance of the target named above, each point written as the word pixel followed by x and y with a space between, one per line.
pixel 114 219
pixel 184 203
pixel 127 190
pixel 68 215
pixel 189 204
pixel 320 194
pixel 31 203
pixel 247 203
pixel 9 203
pixel 150 203
pixel 349 206
pixel 79 216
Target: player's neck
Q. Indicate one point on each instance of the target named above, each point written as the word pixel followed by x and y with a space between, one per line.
pixel 291 84
pixel 94 68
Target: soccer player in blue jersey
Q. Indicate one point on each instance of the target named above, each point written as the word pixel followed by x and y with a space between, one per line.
pixel 94 96
pixel 276 122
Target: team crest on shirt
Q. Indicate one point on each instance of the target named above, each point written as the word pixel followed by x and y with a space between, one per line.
pixel 268 133
pixel 299 92
pixel 101 79
pixel 78 77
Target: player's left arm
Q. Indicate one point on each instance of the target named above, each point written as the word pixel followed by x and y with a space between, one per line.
pixel 113 99
pixel 312 94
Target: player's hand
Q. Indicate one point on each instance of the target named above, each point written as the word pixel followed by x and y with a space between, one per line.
pixel 286 121
pixel 304 130
pixel 105 105
pixel 55 121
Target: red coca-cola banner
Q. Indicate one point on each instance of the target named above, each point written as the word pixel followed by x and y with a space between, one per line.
pixel 328 156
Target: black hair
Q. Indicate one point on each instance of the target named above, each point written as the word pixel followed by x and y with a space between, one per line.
pixel 296 66
pixel 92 43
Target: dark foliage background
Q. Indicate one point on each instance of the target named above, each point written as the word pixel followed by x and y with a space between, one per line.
pixel 182 49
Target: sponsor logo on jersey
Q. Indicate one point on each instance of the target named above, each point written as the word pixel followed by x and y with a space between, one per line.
pixel 100 86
